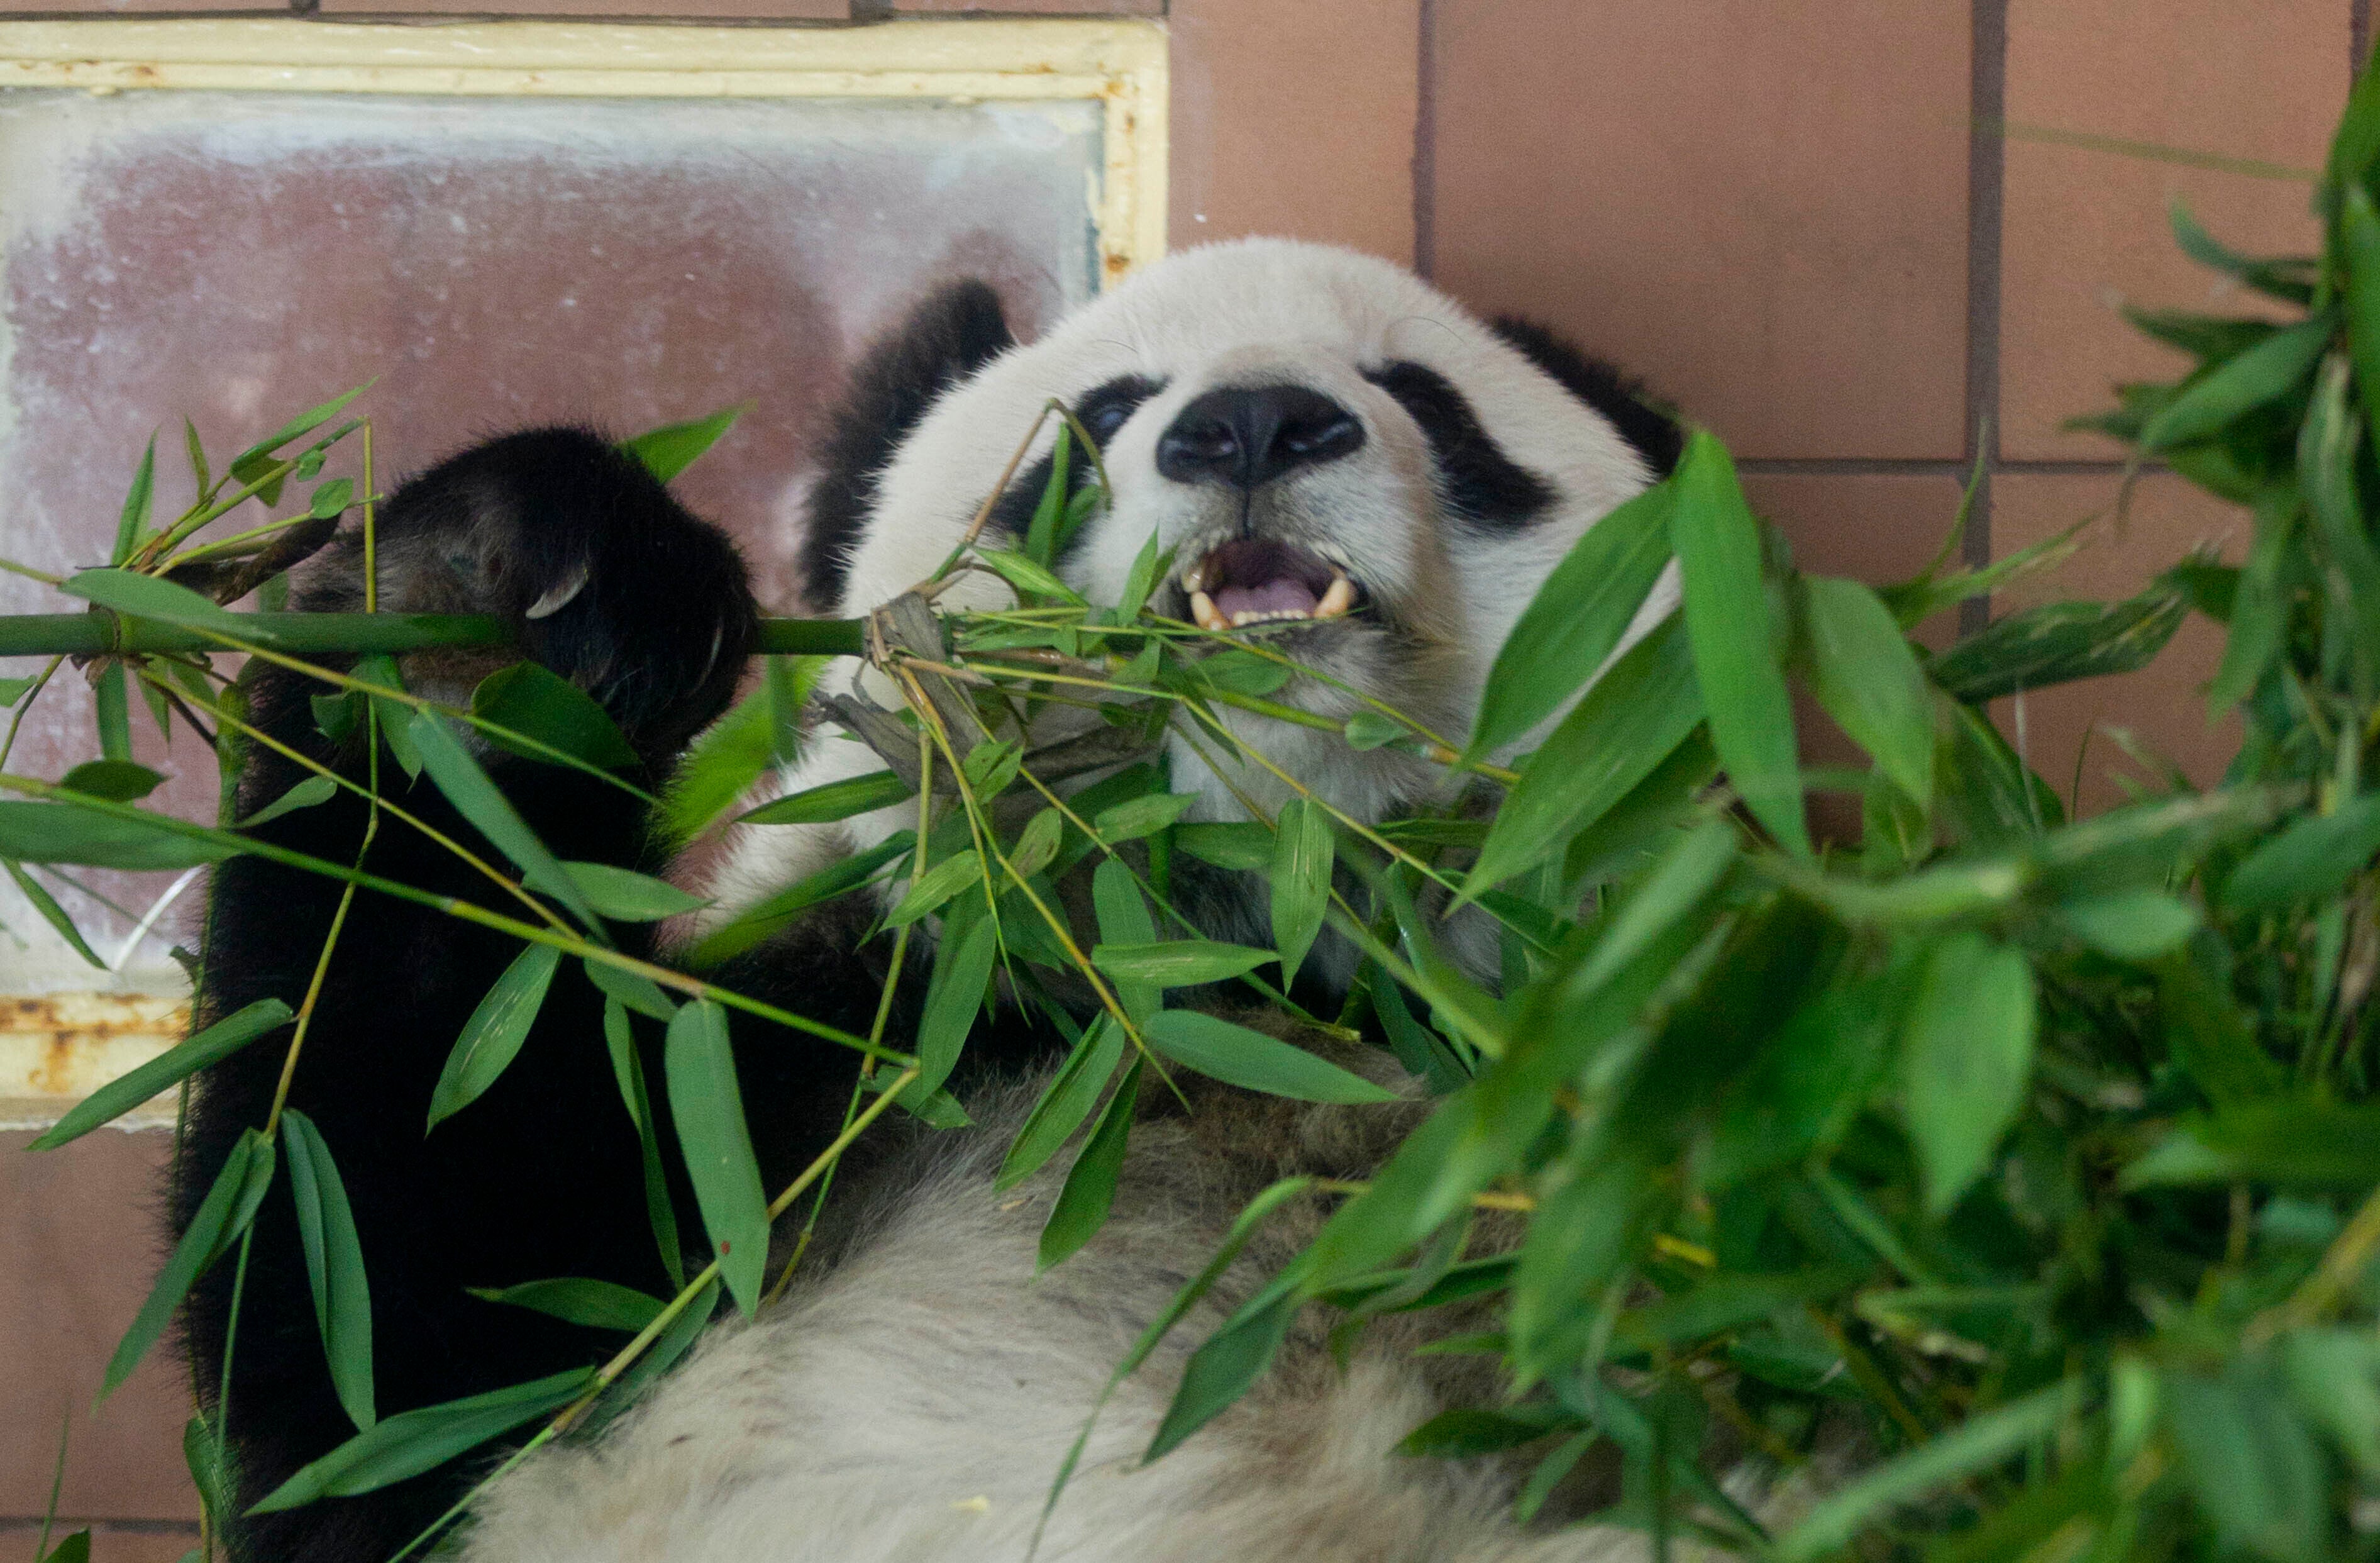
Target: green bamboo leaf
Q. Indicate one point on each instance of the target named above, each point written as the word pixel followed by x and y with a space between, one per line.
pixel 1237 1056
pixel 1864 674
pixel 169 1068
pixel 2259 608
pixel 2311 860
pixel 626 896
pixel 2299 1140
pixel 305 422
pixel 1042 531
pixel 1146 815
pixel 1966 1058
pixel 535 702
pixel 479 800
pixel 2326 463
pixel 330 498
pixel 75 1548
pixel 599 1305
pixel 1149 567
pixel 2060 642
pixel 1123 919
pixel 53 914
pixel 1030 580
pixel 730 755
pixel 628 1071
pixel 1303 852
pixel 771 916
pixel 672 448
pixel 953 996
pixel 2208 1036
pixel 1983 1440
pixel 2138 924
pixel 134 519
pixel 1729 627
pixel 2356 143
pixel 834 801
pixel 1178 963
pixel 1576 618
pixel 1226 1367
pixel 632 989
pixel 709 1109
pixel 2334 1375
pixel 492 1038
pixel 412 1441
pixel 2251 1462
pixel 63 833
pixel 1037 845
pixel 937 884
pixel 2359 233
pixel 148 596
pixel 2290 278
pixel 230 1204
pixel 1065 1102
pixel 1468 1432
pixel 1241 845
pixel 1088 1195
pixel 309 793
pixel 335 1264
pixel 2264 373
pixel 118 781
pixel 1682 877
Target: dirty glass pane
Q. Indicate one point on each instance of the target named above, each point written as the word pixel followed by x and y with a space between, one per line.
pixel 237 257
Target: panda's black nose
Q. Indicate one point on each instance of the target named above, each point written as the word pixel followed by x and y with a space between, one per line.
pixel 1249 435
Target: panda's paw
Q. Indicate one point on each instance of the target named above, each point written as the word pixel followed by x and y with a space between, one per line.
pixel 605 577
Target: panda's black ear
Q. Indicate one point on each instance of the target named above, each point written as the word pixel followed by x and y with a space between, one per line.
pixel 948 337
pixel 1654 434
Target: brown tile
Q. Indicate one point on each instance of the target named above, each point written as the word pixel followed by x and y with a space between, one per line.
pixel 1295 119
pixel 1761 207
pixel 109 1544
pixel 78 1228
pixel 143 7
pixel 1030 8
pixel 2163 706
pixel 2086 229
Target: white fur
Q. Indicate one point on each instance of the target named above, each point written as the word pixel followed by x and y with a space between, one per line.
pixel 1256 311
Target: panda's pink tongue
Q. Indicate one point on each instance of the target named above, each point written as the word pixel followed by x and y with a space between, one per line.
pixel 1270 596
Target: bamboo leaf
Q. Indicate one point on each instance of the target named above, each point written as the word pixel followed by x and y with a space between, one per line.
pixel 628 1071
pixel 1029 579
pixel 2058 642
pixel 1254 1061
pixel 1863 672
pixel 1037 843
pixel 1123 919
pixel 307 794
pixel 305 422
pixel 61 833
pixel 672 448
pixel 626 896
pixel 760 921
pixel 1065 1102
pixel 1089 1192
pixel 2264 373
pixel 834 801
pixel 1178 963
pixel 118 781
pixel 478 800
pixel 632 989
pixel 169 1068
pixel 2358 230
pixel 134 519
pixel 147 596
pixel 1226 1367
pixel 1242 845
pixel 412 1441
pixel 1303 853
pixel 537 702
pixel 600 1305
pixel 330 498
pixel 1729 627
pixel 1576 618
pixel 2310 860
pixel 709 1109
pixel 731 753
pixel 953 996
pixel 53 914
pixel 492 1038
pixel 335 1264
pixel 937 884
pixel 1145 815
pixel 230 1203
pixel 1042 531
pixel 1966 1058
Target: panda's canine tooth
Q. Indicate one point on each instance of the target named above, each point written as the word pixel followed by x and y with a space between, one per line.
pixel 1203 609
pixel 1338 599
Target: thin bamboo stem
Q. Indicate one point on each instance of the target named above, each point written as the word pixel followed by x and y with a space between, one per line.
pixel 98 633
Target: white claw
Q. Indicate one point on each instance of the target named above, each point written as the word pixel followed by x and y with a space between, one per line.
pixel 1338 599
pixel 1208 616
pixel 558 597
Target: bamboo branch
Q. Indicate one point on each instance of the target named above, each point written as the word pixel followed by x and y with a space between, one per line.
pixel 99 634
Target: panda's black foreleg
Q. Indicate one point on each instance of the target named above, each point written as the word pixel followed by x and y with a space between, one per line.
pixel 610 583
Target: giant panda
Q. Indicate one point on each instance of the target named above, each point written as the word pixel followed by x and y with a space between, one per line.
pixel 1325 442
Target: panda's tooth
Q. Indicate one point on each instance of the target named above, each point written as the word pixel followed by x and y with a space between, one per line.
pixel 1338 599
pixel 1194 578
pixel 1203 610
pixel 1244 618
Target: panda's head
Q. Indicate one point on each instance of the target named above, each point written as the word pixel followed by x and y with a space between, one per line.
pixel 1339 457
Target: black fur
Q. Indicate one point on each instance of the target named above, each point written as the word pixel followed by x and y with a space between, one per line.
pixel 1655 435
pixel 541 1176
pixel 1482 484
pixel 945 339
pixel 1102 410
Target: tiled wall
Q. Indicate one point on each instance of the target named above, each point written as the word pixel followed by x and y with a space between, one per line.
pixel 1778 211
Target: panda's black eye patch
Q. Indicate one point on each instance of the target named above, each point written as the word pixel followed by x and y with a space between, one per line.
pixel 1104 410
pixel 1482 484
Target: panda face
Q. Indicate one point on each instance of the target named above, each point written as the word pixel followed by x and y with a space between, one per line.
pixel 1340 459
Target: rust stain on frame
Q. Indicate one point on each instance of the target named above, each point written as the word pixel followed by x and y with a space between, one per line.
pixel 57 1048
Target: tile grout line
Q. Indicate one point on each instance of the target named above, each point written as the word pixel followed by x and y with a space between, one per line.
pixel 1987 189
pixel 1924 466
pixel 1425 141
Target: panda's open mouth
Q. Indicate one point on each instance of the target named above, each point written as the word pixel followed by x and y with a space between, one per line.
pixel 1259 580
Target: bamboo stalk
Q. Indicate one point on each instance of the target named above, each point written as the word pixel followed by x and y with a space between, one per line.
pixel 94 634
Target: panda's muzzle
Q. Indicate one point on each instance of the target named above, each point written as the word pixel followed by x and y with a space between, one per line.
pixel 1262 580
pixel 1245 436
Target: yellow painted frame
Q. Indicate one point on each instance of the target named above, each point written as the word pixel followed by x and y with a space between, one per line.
pixel 1120 65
